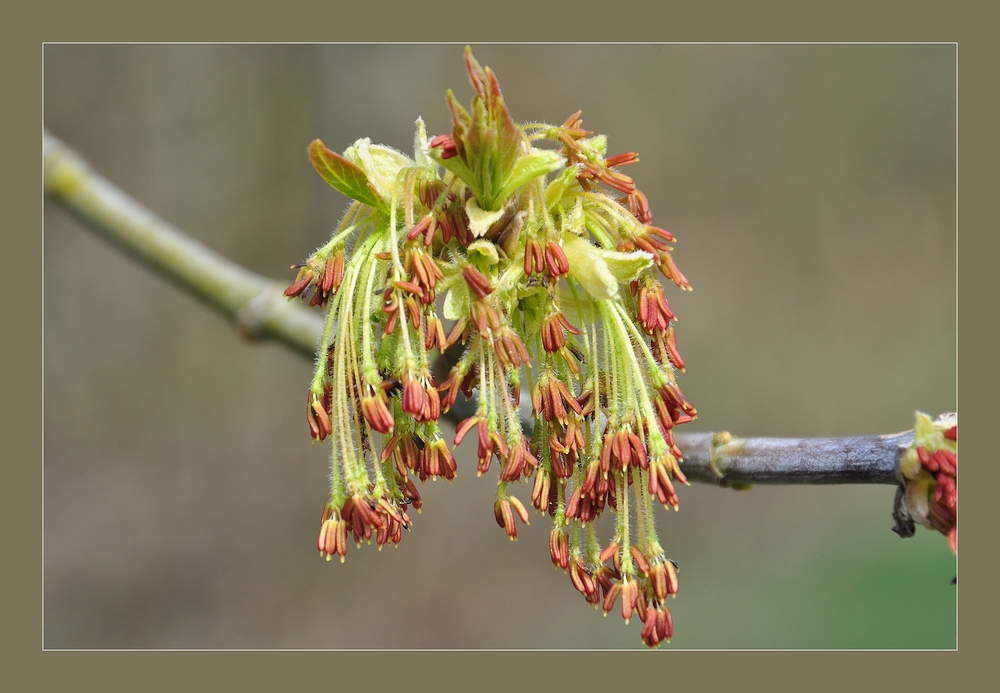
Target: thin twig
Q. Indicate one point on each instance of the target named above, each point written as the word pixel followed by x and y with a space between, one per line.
pixel 254 303
pixel 257 308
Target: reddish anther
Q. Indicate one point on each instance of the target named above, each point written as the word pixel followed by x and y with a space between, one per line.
pixel 611 596
pixel 302 281
pixel 377 414
pixel 659 626
pixel 457 330
pixel 583 581
pixel 483 431
pixel 450 388
pixel 534 257
pixel 671 272
pixel 434 335
pixel 463 428
pixel 319 420
pixel 409 287
pixel 640 559
pixel 638 205
pixel 559 547
pixel 672 353
pixel 630 591
pixel 504 514
pixel 477 281
pixel 573 506
pixel 513 464
pixel 555 259
pixel 618 181
pixel 530 265
pixel 413 396
pixel 945 461
pixel 446 144
pixel 519 508
pixel 590 480
pixel 333 273
pixel 332 537
pixel 420 227
pixel 622 159
pixel 484 316
pixel 610 551
pixel 541 490
pixel 411 493
pixel 660 484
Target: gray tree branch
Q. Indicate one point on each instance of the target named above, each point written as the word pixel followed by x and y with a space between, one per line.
pixel 256 306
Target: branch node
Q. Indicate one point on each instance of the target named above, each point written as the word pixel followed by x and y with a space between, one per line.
pixel 718 440
pixel 250 317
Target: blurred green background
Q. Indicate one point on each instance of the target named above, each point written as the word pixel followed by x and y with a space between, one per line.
pixel 812 190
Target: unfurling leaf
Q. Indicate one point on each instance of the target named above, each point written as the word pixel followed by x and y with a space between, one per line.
pixel 600 271
pixel 343 175
pixel 380 163
pixel 530 166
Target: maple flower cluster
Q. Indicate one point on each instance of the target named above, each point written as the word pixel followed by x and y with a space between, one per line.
pixel 534 269
pixel 929 468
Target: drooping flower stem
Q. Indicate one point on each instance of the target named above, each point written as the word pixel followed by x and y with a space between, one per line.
pixel 622 533
pixel 641 517
pixel 397 272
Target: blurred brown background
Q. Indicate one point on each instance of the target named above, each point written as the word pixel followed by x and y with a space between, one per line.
pixel 812 191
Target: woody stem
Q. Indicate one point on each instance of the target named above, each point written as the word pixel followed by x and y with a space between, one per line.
pixel 847 460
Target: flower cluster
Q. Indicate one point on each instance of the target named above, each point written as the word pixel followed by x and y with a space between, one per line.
pixel 930 471
pixel 535 269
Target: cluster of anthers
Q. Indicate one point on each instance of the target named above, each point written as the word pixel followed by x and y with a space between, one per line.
pixel 528 266
pixel 929 468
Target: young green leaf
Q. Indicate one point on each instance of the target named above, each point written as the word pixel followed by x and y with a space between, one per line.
pixel 600 271
pixel 379 163
pixel 538 163
pixel 343 175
